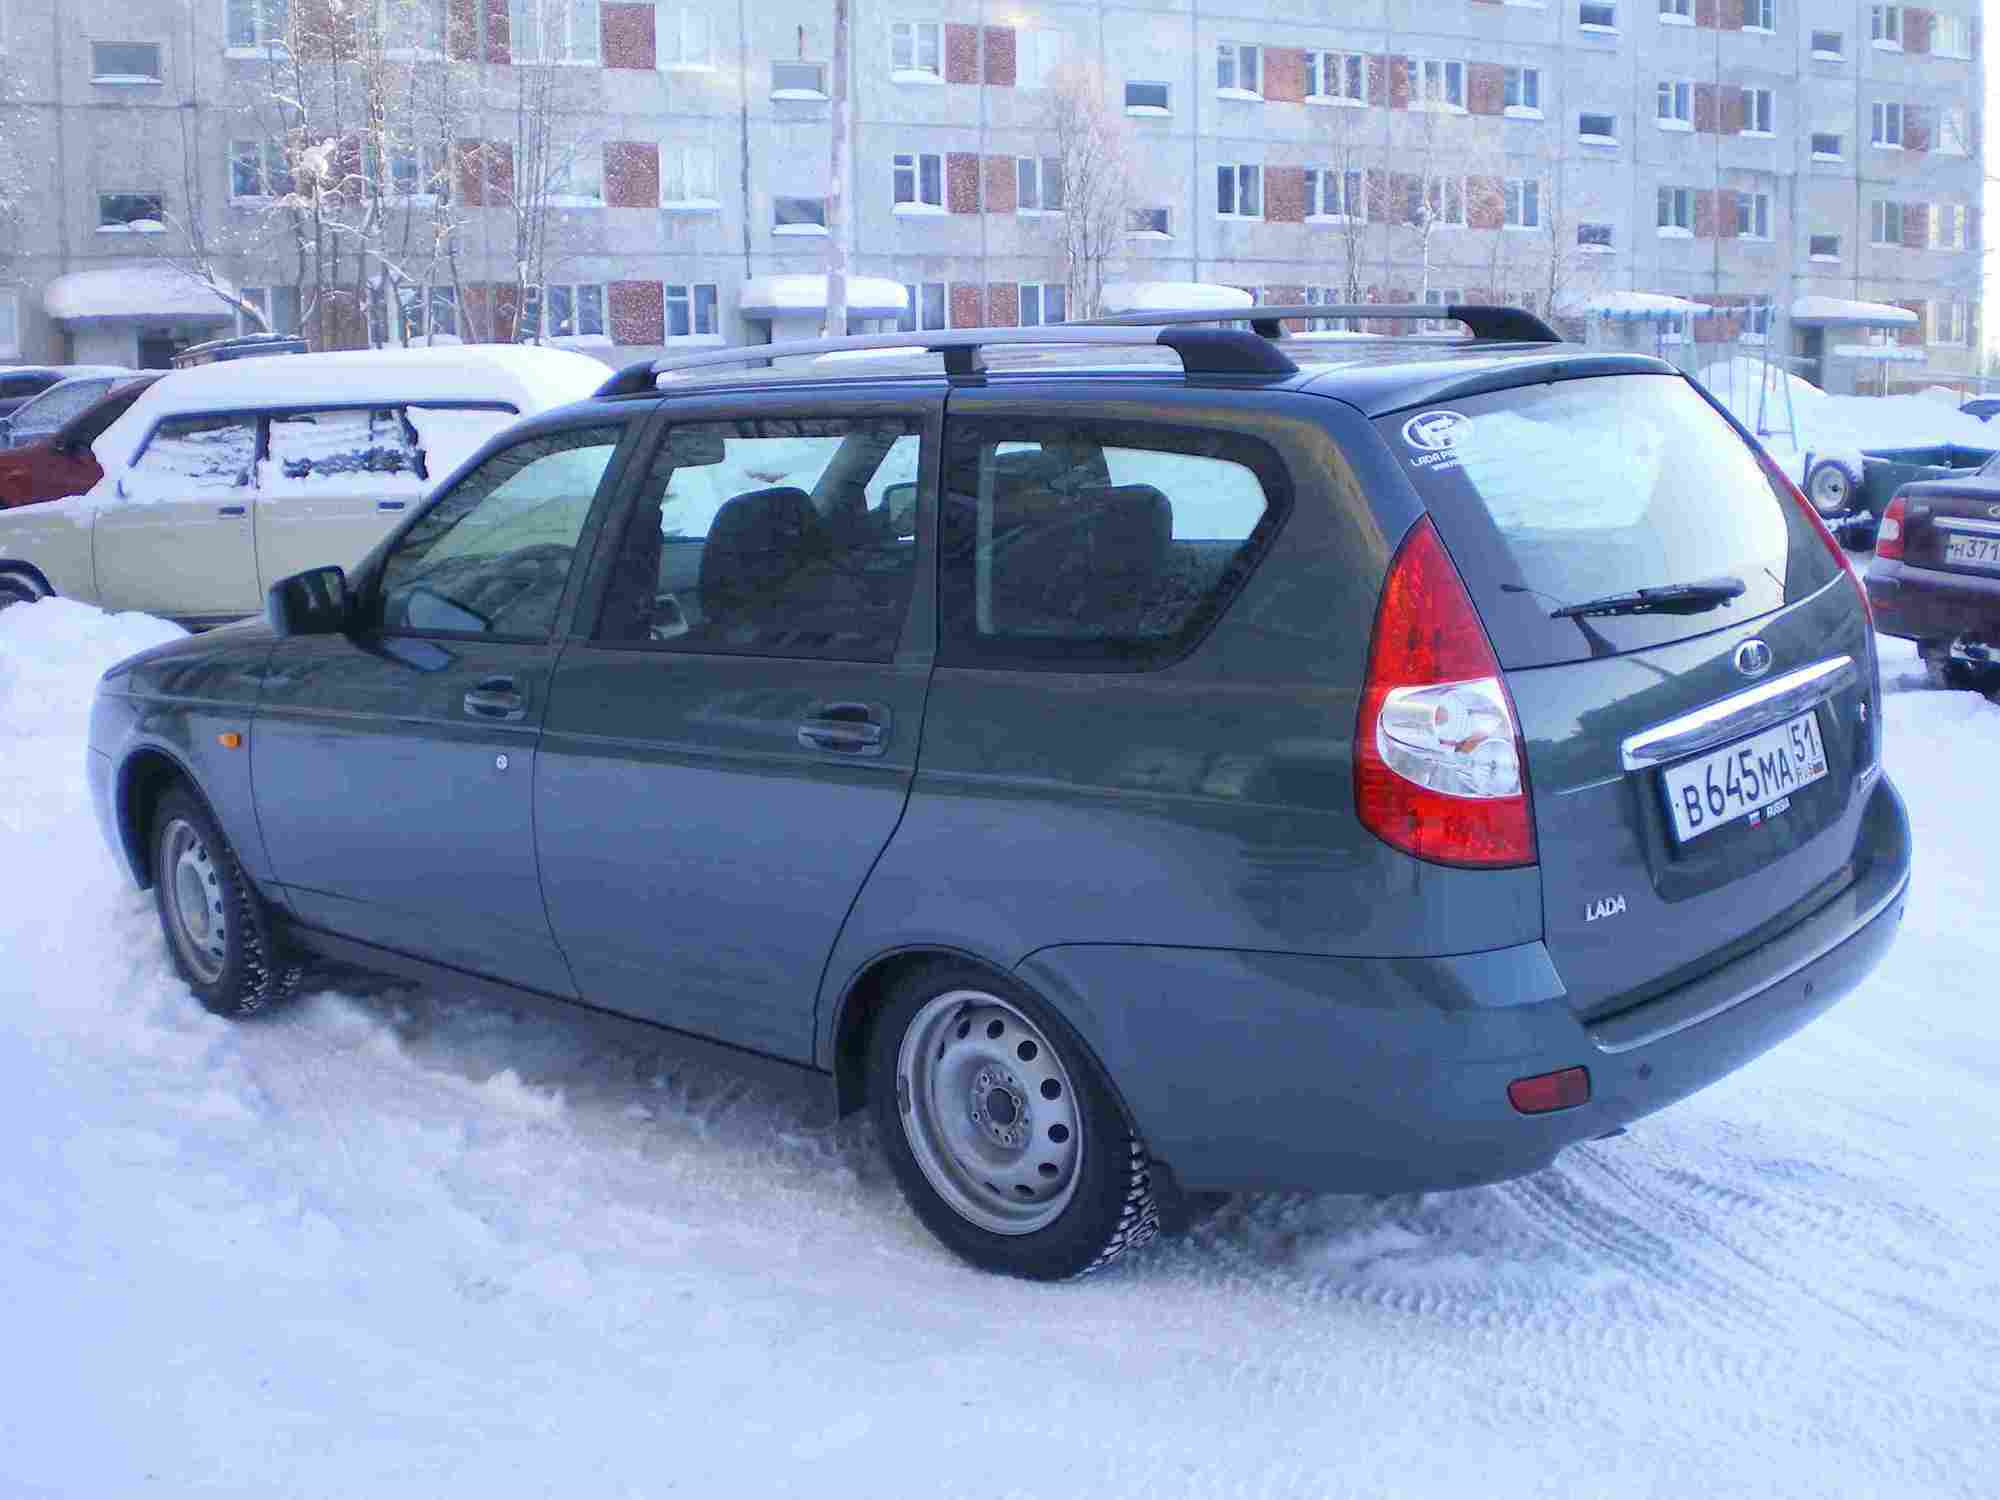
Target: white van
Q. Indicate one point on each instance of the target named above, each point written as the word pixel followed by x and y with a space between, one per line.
pixel 224 478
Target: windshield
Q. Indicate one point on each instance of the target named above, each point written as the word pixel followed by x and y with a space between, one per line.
pixel 1556 494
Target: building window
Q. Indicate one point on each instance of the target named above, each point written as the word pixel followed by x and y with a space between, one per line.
pixel 1826 146
pixel 1524 203
pixel 1885 26
pixel 1239 192
pixel 1236 69
pixel 1760 15
pixel 1147 98
pixel 1440 84
pixel 1441 297
pixel 691 310
pixel 258 170
pixel 1442 201
pixel 575 181
pixel 1677 9
pixel 1886 223
pixel 1597 130
pixel 1823 246
pixel 566 312
pixel 1754 322
pixel 1522 89
pixel 1951 322
pixel 1043 302
pixel 1829 46
pixel 798 215
pixel 1951 36
pixel 682 37
pixel 125 62
pixel 425 312
pixel 1599 15
pixel 1154 222
pixel 1336 195
pixel 1760 112
pixel 1953 136
pixel 1886 126
pixel 553 33
pixel 413 171
pixel 917 47
pixel 798 80
pixel 255 24
pixel 1753 216
pixel 1339 76
pixel 10 324
pixel 923 307
pixel 1948 226
pixel 1038 54
pixel 919 181
pixel 411 28
pixel 134 213
pixel 688 177
pixel 1676 210
pixel 278 306
pixel 1676 104
pixel 1038 184
pixel 1593 237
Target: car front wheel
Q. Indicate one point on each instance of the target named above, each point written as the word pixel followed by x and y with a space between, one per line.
pixel 216 925
pixel 1002 1129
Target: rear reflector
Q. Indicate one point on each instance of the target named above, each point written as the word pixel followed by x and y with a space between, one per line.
pixel 1889 535
pixel 1546 1092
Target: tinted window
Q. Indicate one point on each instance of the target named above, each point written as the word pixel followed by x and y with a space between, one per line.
pixel 194 455
pixel 491 556
pixel 772 537
pixel 1559 493
pixel 1092 545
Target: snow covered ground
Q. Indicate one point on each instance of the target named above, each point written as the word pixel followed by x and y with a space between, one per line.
pixel 389 1243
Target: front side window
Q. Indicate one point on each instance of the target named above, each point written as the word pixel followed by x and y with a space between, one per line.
pixel 917 47
pixel 55 406
pixel 919 179
pixel 195 455
pixel 924 307
pixel 691 310
pixel 553 31
pixel 1096 545
pixel 1239 192
pixel 491 555
pixel 774 536
pixel 1886 125
pixel 1236 68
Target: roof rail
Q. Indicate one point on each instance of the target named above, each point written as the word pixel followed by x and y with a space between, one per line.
pixel 1512 325
pixel 1203 351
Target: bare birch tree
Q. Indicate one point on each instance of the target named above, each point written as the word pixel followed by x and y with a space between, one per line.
pixel 1091 144
pixel 1346 158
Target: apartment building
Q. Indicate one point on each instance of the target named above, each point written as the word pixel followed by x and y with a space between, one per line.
pixel 1741 155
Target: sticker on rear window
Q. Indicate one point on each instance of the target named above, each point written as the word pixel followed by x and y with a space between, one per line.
pixel 1434 434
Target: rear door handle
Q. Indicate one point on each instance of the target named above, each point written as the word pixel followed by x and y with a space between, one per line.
pixel 231 510
pixel 497 698
pixel 847 729
pixel 390 504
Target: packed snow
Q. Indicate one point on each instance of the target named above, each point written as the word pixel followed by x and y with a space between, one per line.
pixel 1839 311
pixel 1171 296
pixel 147 289
pixel 389 1242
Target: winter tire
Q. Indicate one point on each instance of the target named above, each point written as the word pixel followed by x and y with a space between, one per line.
pixel 1832 486
pixel 217 927
pixel 1003 1130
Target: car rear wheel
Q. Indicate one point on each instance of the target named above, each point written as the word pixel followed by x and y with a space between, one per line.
pixel 1832 486
pixel 1003 1130
pixel 217 927
pixel 14 589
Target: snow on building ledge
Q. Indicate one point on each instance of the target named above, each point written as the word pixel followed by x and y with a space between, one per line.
pixel 1636 307
pixel 1172 296
pixel 150 293
pixel 1838 312
pixel 788 296
pixel 1890 354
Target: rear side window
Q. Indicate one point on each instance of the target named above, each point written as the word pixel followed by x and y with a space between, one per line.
pixel 1570 491
pixel 318 451
pixel 1096 546
pixel 57 405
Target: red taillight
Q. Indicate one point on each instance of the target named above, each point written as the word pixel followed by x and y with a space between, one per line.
pixel 1546 1092
pixel 1783 483
pixel 1889 535
pixel 1439 770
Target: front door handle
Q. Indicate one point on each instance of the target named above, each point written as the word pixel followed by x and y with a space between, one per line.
pixel 497 698
pixel 847 729
pixel 230 510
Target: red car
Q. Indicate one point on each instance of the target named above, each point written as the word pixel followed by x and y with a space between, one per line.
pixel 62 463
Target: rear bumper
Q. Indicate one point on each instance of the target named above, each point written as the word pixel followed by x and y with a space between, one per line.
pixel 1920 604
pixel 1252 1071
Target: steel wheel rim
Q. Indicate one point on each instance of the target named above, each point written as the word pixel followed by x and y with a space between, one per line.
pixel 194 898
pixel 990 1114
pixel 1829 490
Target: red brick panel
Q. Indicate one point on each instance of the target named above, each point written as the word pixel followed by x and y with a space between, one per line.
pixel 961 53
pixel 1399 83
pixel 1285 195
pixel 1918 127
pixel 506 311
pixel 1916 225
pixel 629 40
pixel 499 173
pixel 1913 335
pixel 968 306
pixel 1735 110
pixel 632 170
pixel 499 33
pixel 461 30
pixel 469 174
pixel 1704 13
pixel 1485 202
pixel 1383 205
pixel 1726 200
pixel 1486 88
pixel 1003 304
pixel 1285 75
pixel 1916 29
pixel 1001 185
pixel 1729 15
pixel 961 182
pixel 1706 115
pixel 475 302
pixel 1000 56
pixel 638 312
pixel 1403 189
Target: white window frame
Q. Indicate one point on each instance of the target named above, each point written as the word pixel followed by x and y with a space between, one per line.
pixel 1954 125
pixel 580 44
pixel 270 163
pixel 1242 173
pixel 129 80
pixel 1441 296
pixel 816 95
pixel 429 166
pixel 1518 196
pixel 589 156
pixel 1149 111
pixel 1839 151
pixel 1766 12
pixel 805 228
pixel 691 300
pixel 1035 170
pixel 1878 223
pixel 1166 213
pixel 1950 322
pixel 1323 64
pixel 1752 100
pixel 1951 35
pixel 683 40
pixel 1039 51
pixel 1522 79
pixel 1591 138
pixel 1609 244
pixel 1823 257
pixel 698 166
pixel 1885 27
pixel 1942 214
pixel 1753 207
pixel 1597 15
pixel 1337 207
pixel 1447 72
pixel 544 316
pixel 1450 192
pixel 1677 12
pixel 909 41
pixel 911 165
pixel 1838 54
pixel 1242 64
pixel 268 21
pixel 1674 104
pixel 1881 115
pixel 1674 225
pixel 129 226
pixel 913 305
pixel 1041 291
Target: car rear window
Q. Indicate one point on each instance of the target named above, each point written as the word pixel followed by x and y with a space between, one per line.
pixel 1568 491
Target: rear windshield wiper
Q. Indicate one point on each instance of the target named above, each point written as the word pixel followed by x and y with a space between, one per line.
pixel 1668 599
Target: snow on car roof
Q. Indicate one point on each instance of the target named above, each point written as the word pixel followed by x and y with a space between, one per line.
pixel 526 378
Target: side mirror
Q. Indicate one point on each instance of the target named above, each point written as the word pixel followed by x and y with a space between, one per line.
pixel 315 602
pixel 900 501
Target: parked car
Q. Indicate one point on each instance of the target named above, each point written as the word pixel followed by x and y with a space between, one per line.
pixel 39 416
pixel 1935 578
pixel 1982 407
pixel 62 463
pixel 223 478
pixel 1857 500
pixel 239 346
pixel 19 383
pixel 1129 785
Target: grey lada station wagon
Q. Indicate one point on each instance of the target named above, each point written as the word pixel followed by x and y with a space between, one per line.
pixel 1136 763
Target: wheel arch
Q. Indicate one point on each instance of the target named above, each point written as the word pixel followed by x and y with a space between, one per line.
pixel 21 568
pixel 143 778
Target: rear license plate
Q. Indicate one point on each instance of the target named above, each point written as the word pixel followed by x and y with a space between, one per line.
pixel 1744 778
pixel 1982 550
